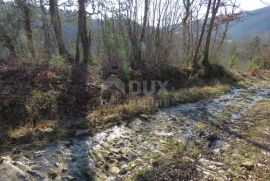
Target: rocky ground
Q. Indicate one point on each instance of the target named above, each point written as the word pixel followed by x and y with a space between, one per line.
pixel 226 138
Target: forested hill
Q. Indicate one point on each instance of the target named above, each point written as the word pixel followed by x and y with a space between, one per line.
pixel 254 23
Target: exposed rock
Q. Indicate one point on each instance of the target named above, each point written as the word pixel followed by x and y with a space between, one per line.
pixel 68 178
pixel 21 165
pixel 9 172
pixel 216 151
pixel 82 132
pixel 248 165
pixel 226 146
pixel 39 153
pixel 112 117
pixel 222 172
pixel 37 174
pixel 65 143
pixel 48 130
pixel 3 158
pixel 57 164
pixel 123 171
pixel 114 170
pixel 209 162
pixel 144 116
pixel 52 174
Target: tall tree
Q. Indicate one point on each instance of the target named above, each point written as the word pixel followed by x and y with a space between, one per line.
pixel 186 30
pixel 215 7
pixel 83 36
pixel 195 64
pixel 26 11
pixel 46 30
pixel 57 27
pixel 137 41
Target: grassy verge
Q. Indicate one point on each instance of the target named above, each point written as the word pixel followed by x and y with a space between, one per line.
pixel 107 116
pixel 45 103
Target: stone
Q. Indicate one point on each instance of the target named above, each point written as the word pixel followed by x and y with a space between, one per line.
pixel 123 171
pixel 68 178
pixel 114 170
pixel 82 132
pixel 216 151
pixel 112 117
pixel 204 161
pixel 226 146
pixel 65 143
pixel 53 173
pixel 21 165
pixel 144 116
pixel 259 165
pixel 48 130
pixel 37 174
pixel 248 165
pixel 2 159
pixel 173 118
pixel 236 155
pixel 9 172
pixel 57 164
pixel 39 153
pixel 16 151
pixel 222 172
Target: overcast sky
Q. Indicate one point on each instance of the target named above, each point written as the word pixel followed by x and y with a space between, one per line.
pixel 253 4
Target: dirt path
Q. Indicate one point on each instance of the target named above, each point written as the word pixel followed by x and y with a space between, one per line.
pixel 221 139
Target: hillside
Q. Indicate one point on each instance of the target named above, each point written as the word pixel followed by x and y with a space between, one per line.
pixel 255 23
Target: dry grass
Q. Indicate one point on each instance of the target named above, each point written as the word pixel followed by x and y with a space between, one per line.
pixel 194 94
pixel 28 128
pixel 106 116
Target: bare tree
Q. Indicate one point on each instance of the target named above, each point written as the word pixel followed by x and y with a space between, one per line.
pixel 215 8
pixel 57 27
pixel 46 30
pixel 83 36
pixel 137 39
pixel 186 29
pixel 195 64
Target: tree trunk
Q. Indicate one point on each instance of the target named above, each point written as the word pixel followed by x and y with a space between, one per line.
pixel 27 25
pixel 46 31
pixel 7 41
pixel 195 64
pixel 145 19
pixel 142 38
pixel 215 7
pixel 84 37
pixel 137 42
pixel 186 42
pixel 57 27
pixel 77 55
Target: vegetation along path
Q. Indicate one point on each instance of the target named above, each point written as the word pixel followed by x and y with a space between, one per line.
pixel 218 139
